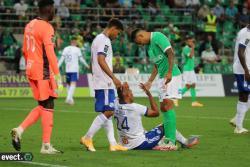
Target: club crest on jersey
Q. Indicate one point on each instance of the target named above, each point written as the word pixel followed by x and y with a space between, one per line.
pixel 106 48
pixel 247 41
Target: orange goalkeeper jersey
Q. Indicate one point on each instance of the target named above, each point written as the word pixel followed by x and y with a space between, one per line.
pixel 38 50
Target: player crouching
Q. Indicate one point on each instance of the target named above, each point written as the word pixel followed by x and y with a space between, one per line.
pixel 130 129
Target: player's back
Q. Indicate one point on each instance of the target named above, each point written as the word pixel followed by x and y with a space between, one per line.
pixel 129 123
pixel 242 40
pixel 71 56
pixel 34 41
pixel 101 45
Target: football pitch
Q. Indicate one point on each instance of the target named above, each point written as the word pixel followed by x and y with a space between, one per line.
pixel 218 146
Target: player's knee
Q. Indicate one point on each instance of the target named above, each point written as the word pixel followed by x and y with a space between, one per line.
pixel 243 97
pixel 48 104
pixel 108 114
pixel 166 105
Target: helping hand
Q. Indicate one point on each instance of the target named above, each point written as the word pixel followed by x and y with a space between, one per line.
pixel 168 78
pixel 117 82
pixel 144 88
pixel 247 77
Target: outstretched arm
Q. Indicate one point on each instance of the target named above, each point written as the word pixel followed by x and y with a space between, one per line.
pixel 148 84
pixel 153 110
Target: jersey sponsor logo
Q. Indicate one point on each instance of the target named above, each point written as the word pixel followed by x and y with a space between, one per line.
pixel 124 140
pixel 247 41
pixel 106 48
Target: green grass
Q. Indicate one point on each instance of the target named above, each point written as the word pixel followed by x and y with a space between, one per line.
pixel 218 146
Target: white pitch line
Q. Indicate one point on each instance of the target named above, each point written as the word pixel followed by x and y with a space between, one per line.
pixel 41 164
pixel 81 112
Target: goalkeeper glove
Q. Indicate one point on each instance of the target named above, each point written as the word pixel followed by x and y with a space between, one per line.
pixel 59 83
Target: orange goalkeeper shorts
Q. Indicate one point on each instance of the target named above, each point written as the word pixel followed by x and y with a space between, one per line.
pixel 43 89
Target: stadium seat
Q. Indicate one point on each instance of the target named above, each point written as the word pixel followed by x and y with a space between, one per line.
pixel 76 17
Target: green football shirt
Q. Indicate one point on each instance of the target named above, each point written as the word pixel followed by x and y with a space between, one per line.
pixel 159 43
pixel 189 61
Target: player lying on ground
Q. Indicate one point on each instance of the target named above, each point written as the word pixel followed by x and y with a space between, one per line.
pixel 128 116
pixel 42 71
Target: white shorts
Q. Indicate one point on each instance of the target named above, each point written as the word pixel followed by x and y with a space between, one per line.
pixel 172 90
pixel 189 77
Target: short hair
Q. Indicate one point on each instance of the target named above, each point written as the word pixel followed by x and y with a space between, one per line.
pixel 120 95
pixel 115 23
pixel 73 37
pixel 120 92
pixel 45 3
pixel 187 37
pixel 134 33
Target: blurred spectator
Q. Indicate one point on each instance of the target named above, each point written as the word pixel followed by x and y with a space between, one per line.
pixel 208 55
pixel 203 12
pixel 153 8
pixel 119 45
pixel 75 4
pixel 21 8
pixel 118 64
pixel 193 3
pixel 7 39
pixel 57 3
pixel 209 40
pixel 218 10
pixel 63 11
pixel 180 3
pixel 211 21
pixel 244 18
pixel 231 11
pixel 126 3
pixel 35 3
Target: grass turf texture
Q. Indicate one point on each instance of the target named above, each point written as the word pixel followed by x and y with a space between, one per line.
pixel 218 146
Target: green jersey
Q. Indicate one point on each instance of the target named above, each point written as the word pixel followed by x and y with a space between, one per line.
pixel 159 43
pixel 189 61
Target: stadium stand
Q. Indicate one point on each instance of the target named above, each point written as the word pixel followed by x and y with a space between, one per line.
pixel 85 18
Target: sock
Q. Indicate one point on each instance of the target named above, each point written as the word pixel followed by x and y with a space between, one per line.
pixel 20 130
pixel 169 121
pixel 98 122
pixel 180 138
pixel 248 102
pixel 67 99
pixel 193 94
pixel 33 116
pixel 184 90
pixel 108 126
pixel 242 108
pixel 71 92
pixel 47 124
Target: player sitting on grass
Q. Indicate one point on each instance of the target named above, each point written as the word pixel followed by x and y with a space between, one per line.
pixel 128 116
